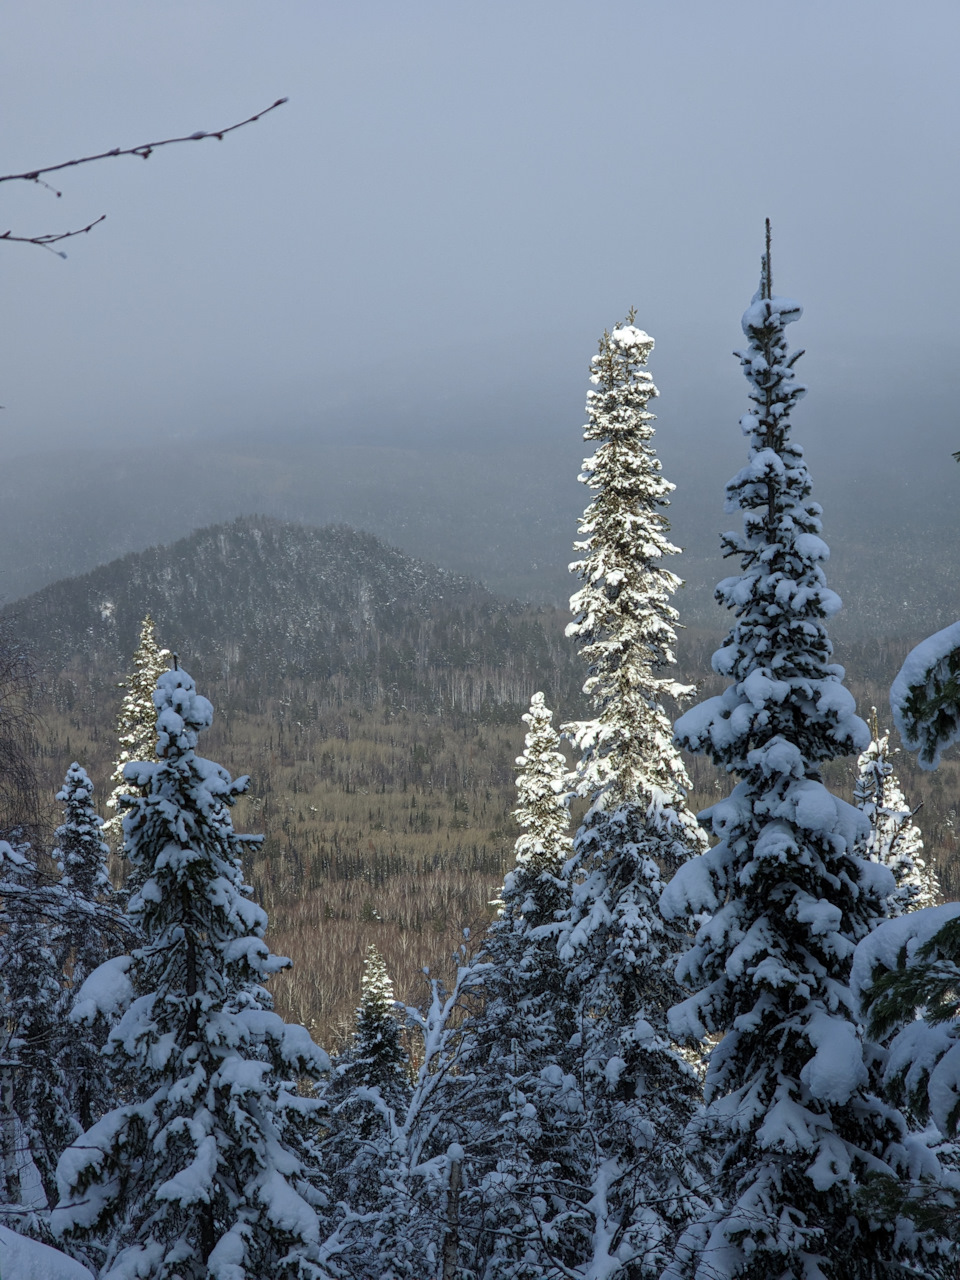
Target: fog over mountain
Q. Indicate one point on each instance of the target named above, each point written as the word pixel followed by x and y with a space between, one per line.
pixel 378 303
pixel 507 516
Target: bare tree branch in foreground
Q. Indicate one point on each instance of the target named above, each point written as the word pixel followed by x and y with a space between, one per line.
pixel 144 151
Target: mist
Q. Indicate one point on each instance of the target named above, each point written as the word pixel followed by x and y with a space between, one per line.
pixel 404 271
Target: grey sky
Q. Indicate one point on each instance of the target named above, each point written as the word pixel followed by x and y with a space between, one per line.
pixel 456 201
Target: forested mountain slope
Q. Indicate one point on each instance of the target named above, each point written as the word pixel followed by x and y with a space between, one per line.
pixel 374 700
pixel 256 603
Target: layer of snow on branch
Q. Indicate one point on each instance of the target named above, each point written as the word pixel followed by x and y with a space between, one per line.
pixel 108 990
pixel 903 936
pixel 760 309
pixel 919 671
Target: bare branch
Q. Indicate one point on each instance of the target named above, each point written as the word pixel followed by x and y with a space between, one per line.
pixel 44 242
pixel 145 150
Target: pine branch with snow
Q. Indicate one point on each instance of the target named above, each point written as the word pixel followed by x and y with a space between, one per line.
pixel 792 1090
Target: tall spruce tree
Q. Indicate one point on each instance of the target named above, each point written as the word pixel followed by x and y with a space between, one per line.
pixel 637 1091
pixel 791 1089
pixel 137 722
pixel 201 1174
pixel 894 840
pixel 604 1115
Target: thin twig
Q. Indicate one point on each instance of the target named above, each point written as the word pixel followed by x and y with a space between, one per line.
pixel 44 242
pixel 145 149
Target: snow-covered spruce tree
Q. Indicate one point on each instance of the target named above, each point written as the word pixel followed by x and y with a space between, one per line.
pixel 81 853
pixel 895 840
pixel 400 1226
pixel 791 1089
pixel 137 722
pixel 906 973
pixel 372 1071
pixel 200 1174
pixel 513 1030
pixel 90 934
pixel 36 1115
pixel 366 1100
pixel 635 1091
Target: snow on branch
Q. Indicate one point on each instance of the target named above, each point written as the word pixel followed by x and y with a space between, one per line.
pixel 925 696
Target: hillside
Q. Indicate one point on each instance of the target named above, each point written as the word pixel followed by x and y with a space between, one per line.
pixel 257 603
pixel 374 700
pixel 506 516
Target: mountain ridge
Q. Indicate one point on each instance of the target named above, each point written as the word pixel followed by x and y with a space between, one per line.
pixel 259 601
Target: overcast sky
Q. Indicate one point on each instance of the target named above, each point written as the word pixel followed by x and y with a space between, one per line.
pixel 458 198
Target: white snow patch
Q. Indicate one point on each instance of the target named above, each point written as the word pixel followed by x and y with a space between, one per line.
pixel 25 1259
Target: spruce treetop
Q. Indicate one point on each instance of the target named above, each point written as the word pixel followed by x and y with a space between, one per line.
pixel 622 617
pixel 541 810
pixel 778 654
pixel 136 723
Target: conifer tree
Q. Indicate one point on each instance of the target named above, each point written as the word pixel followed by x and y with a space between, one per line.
pixel 791 1089
pixel 894 840
pixel 513 1030
pixel 391 1189
pixel 367 1101
pixel 81 854
pixel 201 1174
pixel 907 972
pixel 372 1071
pixel 137 722
pixel 35 1107
pixel 89 936
pixel 637 1091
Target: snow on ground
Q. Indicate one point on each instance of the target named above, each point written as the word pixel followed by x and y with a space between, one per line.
pixel 25 1259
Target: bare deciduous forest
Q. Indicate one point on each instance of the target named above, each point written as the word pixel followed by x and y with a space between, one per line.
pixel 395 826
